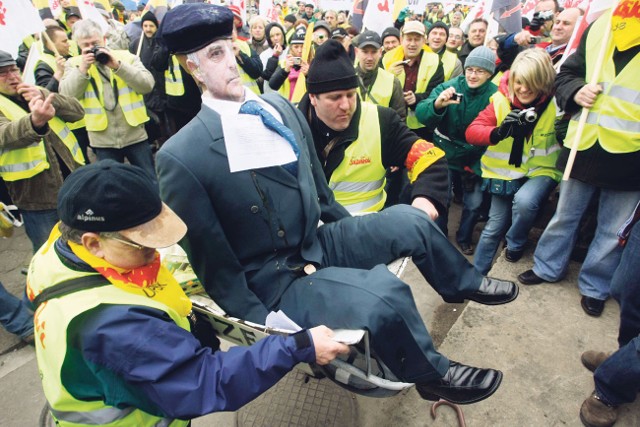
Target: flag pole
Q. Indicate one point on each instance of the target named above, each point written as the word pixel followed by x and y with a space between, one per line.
pixel 585 111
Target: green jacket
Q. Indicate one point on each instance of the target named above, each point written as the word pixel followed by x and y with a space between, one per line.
pixel 452 121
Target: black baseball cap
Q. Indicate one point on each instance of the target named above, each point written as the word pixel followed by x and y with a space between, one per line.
pixel 369 38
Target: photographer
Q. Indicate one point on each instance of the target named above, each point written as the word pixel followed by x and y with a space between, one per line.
pixel 518 168
pixel 449 109
pixel 110 84
pixel 285 77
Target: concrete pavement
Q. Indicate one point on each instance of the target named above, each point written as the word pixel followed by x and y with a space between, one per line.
pixel 536 341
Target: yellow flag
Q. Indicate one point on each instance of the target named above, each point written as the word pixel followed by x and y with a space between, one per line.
pixel 301 86
pixel 398 5
pixel 625 24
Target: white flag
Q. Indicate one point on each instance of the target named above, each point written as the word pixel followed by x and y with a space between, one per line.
pixel 56 8
pixel 18 19
pixel 89 11
pixel 378 15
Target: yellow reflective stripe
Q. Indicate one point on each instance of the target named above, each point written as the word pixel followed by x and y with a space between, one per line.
pixel 500 155
pixel 125 90
pixel 624 94
pixel 133 106
pixel 97 417
pixel 90 94
pixel 610 122
pixel 507 173
pixel 545 152
pixel 93 111
pixel 20 167
pixel 64 132
pixel 356 187
pixel 363 206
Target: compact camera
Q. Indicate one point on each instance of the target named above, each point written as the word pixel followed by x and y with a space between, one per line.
pixel 297 60
pixel 547 15
pixel 100 55
pixel 529 115
pixel 457 96
pixel 535 39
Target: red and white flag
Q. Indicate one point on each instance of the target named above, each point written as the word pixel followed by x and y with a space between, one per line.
pixel 18 19
pixel 378 15
pixel 89 11
pixel 56 8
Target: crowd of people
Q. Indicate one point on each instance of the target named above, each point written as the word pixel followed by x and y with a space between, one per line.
pixel 235 137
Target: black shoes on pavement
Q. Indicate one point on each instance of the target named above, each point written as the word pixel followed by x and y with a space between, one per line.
pixel 530 278
pixel 466 248
pixel 494 292
pixel 591 306
pixel 462 385
pixel 513 256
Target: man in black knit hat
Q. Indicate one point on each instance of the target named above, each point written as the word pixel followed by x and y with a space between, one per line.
pixel 253 237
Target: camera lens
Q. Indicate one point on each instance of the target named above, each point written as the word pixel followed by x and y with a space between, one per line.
pixel 530 116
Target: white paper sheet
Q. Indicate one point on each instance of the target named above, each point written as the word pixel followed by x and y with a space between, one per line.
pixel 251 145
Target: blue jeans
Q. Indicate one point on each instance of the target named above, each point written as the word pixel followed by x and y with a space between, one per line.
pixel 15 317
pixel 551 258
pixel 522 209
pixel 471 203
pixel 625 288
pixel 618 378
pixel 38 225
pixel 138 154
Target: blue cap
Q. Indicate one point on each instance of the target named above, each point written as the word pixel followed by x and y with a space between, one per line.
pixel 192 26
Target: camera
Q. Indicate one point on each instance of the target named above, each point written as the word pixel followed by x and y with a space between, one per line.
pixel 101 56
pixel 297 60
pixel 535 40
pixel 529 115
pixel 547 15
pixel 457 97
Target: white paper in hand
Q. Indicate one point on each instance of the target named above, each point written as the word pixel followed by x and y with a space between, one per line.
pixel 348 336
pixel 279 320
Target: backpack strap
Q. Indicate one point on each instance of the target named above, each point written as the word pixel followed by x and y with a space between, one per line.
pixel 70 286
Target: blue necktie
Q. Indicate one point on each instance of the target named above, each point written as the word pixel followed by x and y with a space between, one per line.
pixel 253 107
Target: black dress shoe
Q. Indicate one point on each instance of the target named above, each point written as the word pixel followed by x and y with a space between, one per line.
pixel 530 278
pixel 513 256
pixel 591 306
pixel 466 248
pixel 494 292
pixel 462 385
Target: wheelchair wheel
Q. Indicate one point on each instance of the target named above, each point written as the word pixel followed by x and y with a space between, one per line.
pixel 46 419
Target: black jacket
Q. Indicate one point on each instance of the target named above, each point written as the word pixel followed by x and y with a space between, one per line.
pixel 396 141
pixel 595 166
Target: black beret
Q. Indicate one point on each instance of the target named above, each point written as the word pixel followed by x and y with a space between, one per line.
pixel 192 26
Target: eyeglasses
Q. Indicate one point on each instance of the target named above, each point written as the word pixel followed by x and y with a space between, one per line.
pixel 476 71
pixel 118 238
pixel 320 36
pixel 5 73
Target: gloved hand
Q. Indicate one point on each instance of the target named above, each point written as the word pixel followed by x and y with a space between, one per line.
pixel 536 23
pixel 403 13
pixel 505 130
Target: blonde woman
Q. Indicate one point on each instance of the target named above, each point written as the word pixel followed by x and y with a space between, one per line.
pixel 518 168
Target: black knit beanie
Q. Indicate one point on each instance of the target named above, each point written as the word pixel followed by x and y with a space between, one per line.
pixel 439 24
pixel 331 69
pixel 149 17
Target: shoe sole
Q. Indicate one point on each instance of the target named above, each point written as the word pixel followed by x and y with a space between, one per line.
pixel 588 424
pixel 435 397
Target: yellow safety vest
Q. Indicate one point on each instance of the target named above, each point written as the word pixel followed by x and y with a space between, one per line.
pixel 428 66
pixel 448 63
pixel 540 151
pixel 50 60
pixel 26 162
pixel 496 79
pixel 174 85
pixel 130 101
pixel 358 182
pixel 614 119
pixel 247 81
pixel 381 90
pixel 52 320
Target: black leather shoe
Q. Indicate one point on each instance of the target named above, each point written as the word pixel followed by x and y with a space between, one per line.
pixel 513 256
pixel 591 306
pixel 466 248
pixel 462 385
pixel 530 278
pixel 494 292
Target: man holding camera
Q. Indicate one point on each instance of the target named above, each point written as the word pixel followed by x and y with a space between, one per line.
pixel 109 84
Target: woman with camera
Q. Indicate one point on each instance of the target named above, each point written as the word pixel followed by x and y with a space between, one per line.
pixel 449 109
pixel 518 168
pixel 285 77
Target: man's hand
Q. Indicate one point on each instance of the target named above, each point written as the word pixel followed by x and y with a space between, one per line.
pixel 236 49
pixel 426 206
pixel 523 38
pixel 409 98
pixel 444 99
pixel 397 68
pixel 587 95
pixel 326 348
pixel 60 64
pixel 88 59
pixel 277 50
pixel 41 111
pixel 29 92
pixel 304 68
pixel 288 63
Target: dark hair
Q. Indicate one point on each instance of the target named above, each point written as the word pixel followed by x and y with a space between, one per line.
pixel 484 21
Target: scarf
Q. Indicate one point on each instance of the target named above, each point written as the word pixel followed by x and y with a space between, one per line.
pixel 152 280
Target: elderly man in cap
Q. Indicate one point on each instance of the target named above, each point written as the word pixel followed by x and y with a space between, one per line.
pixel 113 341
pixel 37 149
pixel 244 177
pixel 377 85
pixel 418 69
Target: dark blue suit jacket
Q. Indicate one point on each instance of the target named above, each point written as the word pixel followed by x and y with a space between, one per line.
pixel 250 232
